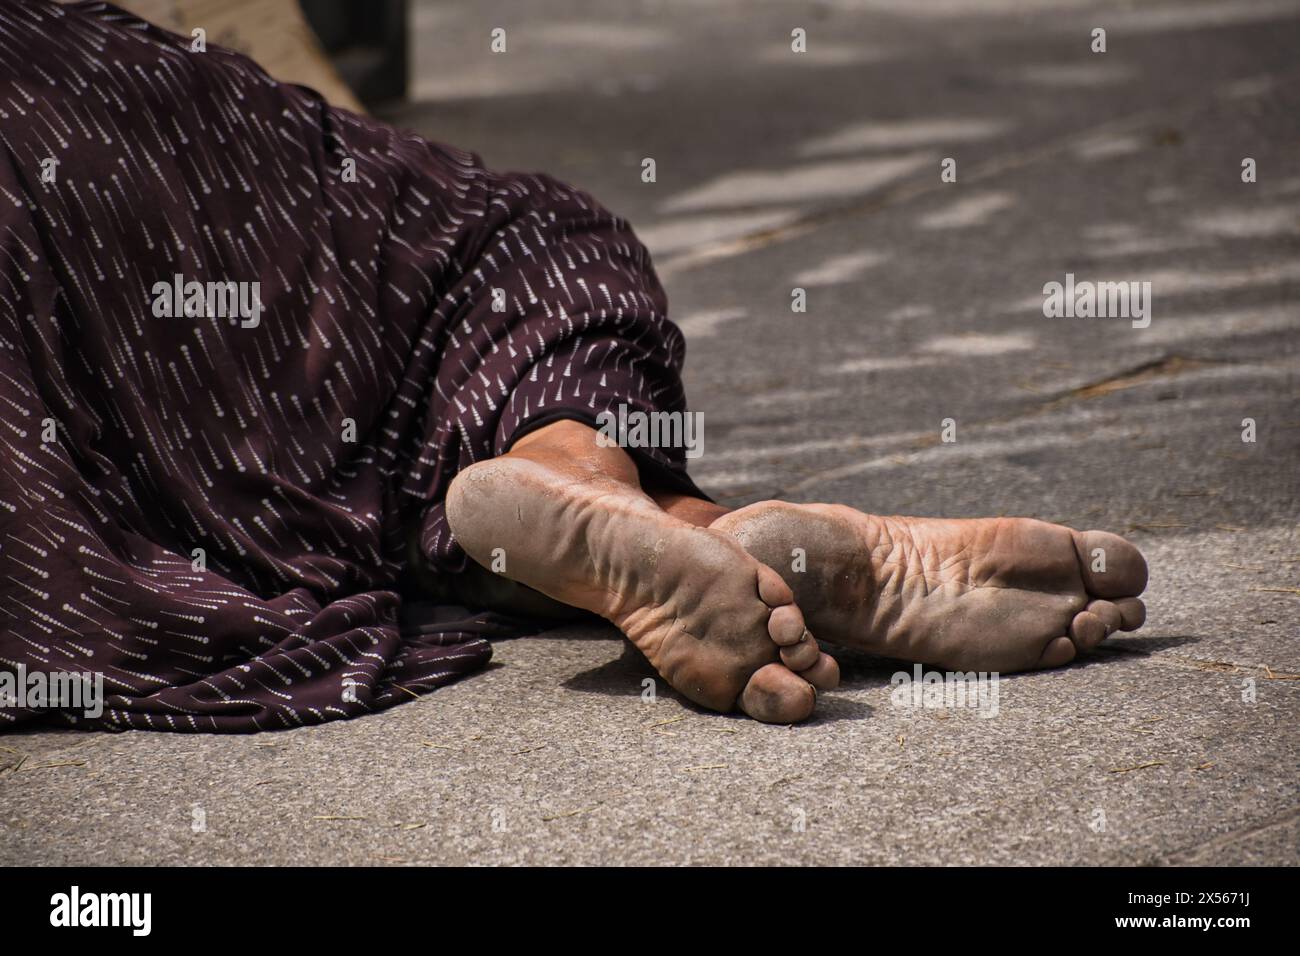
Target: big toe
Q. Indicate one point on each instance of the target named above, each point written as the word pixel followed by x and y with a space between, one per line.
pixel 1112 567
pixel 776 695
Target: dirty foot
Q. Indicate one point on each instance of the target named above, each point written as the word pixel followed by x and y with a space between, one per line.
pixel 996 594
pixel 721 628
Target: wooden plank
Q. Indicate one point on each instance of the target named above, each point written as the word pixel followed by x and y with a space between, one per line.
pixel 273 32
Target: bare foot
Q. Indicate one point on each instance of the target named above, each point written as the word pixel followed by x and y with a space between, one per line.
pixel 722 629
pixel 996 594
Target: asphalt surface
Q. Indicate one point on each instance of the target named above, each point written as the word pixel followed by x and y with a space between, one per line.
pixel 820 171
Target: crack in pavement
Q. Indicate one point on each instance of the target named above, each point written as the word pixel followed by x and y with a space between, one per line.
pixel 1163 367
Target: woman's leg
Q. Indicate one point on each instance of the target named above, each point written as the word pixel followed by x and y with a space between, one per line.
pixel 694 511
pixel 567 517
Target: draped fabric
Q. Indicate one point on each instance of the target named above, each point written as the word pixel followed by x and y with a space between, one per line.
pixel 246 342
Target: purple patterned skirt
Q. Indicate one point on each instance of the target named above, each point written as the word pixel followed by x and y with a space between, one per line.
pixel 246 342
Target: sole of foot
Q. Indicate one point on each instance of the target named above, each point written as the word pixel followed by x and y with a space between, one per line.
pixel 996 594
pixel 722 629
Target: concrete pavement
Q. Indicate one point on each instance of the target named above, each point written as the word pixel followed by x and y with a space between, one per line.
pixel 820 171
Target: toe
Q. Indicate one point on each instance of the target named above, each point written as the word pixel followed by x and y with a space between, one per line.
pixel 1108 613
pixel 1087 630
pixel 776 592
pixel 776 695
pixel 785 625
pixel 824 675
pixel 1060 651
pixel 1111 566
pixel 802 655
pixel 1132 613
